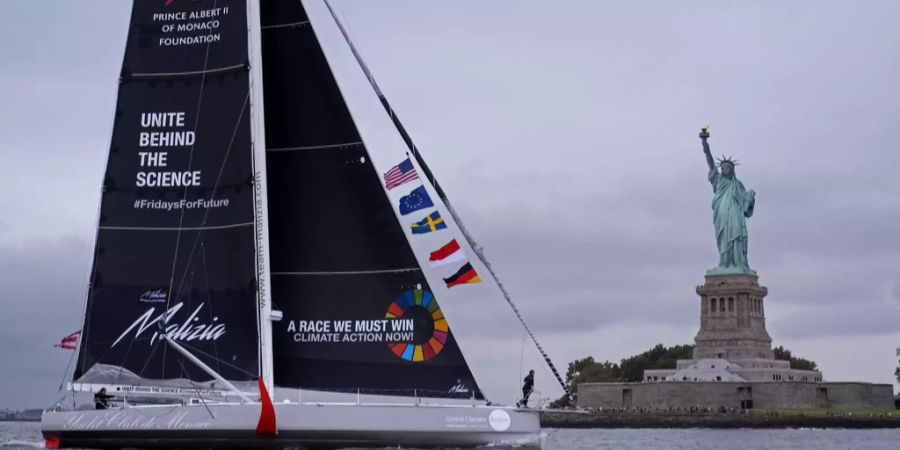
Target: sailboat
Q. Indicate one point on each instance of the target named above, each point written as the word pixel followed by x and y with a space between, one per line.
pixel 274 264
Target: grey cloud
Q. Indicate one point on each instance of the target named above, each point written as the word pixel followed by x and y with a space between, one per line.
pixel 864 314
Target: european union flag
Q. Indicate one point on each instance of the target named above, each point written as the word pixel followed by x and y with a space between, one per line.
pixel 431 222
pixel 416 200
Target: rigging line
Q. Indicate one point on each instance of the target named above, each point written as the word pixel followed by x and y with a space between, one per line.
pixel 521 359
pixel 190 163
pixel 285 25
pixel 124 358
pixel 315 147
pixel 147 363
pixel 353 272
pixel 66 373
pixel 193 72
pixel 199 395
pixel 210 312
pixel 210 227
pixel 430 176
pixel 92 275
pixel 215 185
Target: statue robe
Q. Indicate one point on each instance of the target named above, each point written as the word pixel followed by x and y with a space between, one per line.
pixel 731 205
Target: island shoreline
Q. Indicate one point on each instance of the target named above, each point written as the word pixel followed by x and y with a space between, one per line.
pixel 574 419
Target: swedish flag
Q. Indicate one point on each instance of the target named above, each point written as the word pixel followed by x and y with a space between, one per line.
pixel 431 222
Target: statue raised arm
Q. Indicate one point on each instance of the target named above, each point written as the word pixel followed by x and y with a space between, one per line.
pixel 732 204
pixel 704 135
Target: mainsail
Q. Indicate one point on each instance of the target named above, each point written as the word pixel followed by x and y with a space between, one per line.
pixel 359 314
pixel 176 251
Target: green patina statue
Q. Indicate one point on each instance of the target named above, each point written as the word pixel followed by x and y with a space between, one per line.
pixel 732 204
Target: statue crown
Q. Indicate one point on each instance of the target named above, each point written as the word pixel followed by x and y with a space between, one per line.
pixel 727 160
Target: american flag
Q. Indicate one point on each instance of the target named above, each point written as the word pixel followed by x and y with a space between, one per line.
pixel 399 174
pixel 69 341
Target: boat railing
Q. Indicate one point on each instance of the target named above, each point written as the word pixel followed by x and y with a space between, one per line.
pixel 143 397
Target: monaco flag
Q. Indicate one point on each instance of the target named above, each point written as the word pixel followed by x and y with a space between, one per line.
pixel 447 254
pixel 69 341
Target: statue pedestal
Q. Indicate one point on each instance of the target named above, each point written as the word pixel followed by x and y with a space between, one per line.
pixel 732 319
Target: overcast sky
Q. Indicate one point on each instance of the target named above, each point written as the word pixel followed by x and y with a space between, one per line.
pixel 565 132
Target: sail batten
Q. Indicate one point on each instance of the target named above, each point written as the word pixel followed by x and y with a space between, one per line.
pixel 353 272
pixel 317 147
pixel 210 227
pixel 285 25
pixel 206 71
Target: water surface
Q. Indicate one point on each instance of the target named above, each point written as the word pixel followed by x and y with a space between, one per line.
pixel 26 435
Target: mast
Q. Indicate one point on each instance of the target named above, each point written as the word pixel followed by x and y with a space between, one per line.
pixel 431 178
pixel 258 143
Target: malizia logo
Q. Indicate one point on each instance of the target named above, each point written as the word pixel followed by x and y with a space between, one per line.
pixel 154 296
pixel 189 330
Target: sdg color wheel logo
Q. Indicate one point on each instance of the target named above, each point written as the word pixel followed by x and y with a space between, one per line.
pixel 430 330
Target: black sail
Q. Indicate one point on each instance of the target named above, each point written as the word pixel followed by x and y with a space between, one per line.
pixel 343 272
pixel 176 232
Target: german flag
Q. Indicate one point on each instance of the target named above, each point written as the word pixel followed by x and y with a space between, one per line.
pixel 465 275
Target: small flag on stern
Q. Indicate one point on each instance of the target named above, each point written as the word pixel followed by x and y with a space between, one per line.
pixel 431 222
pixel 399 174
pixel 447 254
pixel 898 351
pixel 69 342
pixel 465 275
pixel 416 200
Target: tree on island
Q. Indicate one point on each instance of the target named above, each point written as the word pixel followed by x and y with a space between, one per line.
pixel 631 369
pixel 796 361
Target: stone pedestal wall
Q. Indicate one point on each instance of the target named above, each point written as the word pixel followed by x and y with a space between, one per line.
pixel 764 395
pixel 732 319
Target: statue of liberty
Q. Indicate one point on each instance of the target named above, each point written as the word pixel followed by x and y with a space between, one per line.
pixel 732 204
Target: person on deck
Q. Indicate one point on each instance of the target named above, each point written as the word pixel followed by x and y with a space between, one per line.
pixel 101 399
pixel 527 388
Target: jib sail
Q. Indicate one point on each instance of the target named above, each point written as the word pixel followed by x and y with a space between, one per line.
pixel 358 310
